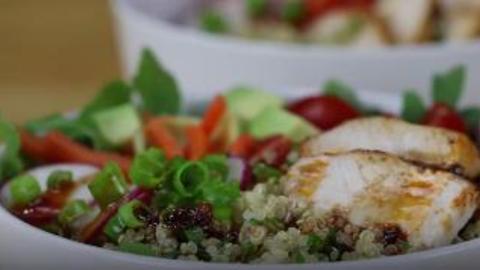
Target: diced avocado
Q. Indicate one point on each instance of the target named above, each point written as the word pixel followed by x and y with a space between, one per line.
pixel 278 121
pixel 246 103
pixel 118 125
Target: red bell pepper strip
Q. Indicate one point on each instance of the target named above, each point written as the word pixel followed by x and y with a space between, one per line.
pixel 158 135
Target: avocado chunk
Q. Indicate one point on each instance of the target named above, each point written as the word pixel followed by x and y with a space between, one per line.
pixel 278 121
pixel 246 103
pixel 119 124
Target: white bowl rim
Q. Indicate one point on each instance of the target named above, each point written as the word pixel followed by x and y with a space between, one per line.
pixel 383 99
pixel 189 34
pixel 183 264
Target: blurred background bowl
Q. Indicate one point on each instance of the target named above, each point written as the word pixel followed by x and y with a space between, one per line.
pixel 204 63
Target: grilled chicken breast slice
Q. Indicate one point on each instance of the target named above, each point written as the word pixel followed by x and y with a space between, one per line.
pixel 437 147
pixel 353 28
pixel 373 188
pixel 462 19
pixel 408 21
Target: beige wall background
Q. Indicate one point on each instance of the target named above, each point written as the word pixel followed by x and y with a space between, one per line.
pixel 54 55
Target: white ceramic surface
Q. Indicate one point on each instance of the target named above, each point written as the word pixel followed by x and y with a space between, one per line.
pixel 25 247
pixel 205 63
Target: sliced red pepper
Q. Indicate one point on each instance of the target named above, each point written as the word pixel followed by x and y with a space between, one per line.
pixel 92 230
pixel 32 146
pixel 214 114
pixel 63 149
pixel 158 135
pixel 197 142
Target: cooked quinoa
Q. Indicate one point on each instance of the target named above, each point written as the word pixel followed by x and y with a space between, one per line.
pixel 274 228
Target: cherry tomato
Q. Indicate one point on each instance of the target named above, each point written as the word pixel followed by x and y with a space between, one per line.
pixel 273 151
pixel 441 115
pixel 316 8
pixel 325 112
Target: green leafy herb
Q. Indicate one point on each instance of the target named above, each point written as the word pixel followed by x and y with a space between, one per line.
pixel 413 107
pixel 113 94
pixel 471 116
pixel 342 91
pixel 108 186
pixel 149 168
pixel 213 22
pixel 158 89
pixel 10 162
pixel 448 87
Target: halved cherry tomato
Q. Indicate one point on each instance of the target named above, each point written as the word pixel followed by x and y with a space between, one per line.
pixel 273 151
pixel 442 115
pixel 316 8
pixel 325 112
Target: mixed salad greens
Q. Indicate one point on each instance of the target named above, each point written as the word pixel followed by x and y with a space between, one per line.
pixel 354 23
pixel 162 173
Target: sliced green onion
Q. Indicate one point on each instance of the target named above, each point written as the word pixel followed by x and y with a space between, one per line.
pixel 213 22
pixel 59 178
pixel 293 10
pixel 72 211
pixel 114 228
pixel 128 216
pixel 24 189
pixel 217 165
pixel 148 169
pixel 256 8
pixel 189 177
pixel 221 195
pixel 137 248
pixel 109 185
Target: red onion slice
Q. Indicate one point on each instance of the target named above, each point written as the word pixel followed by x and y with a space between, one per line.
pixel 240 170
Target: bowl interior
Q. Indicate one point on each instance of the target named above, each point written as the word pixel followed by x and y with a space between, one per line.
pixel 43 248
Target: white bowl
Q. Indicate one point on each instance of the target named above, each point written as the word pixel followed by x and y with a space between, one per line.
pixel 205 63
pixel 25 247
